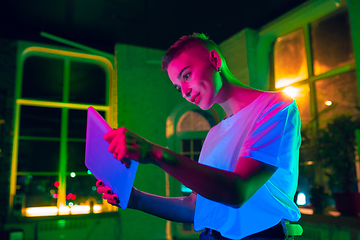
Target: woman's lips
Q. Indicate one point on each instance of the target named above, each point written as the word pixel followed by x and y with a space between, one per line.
pixel 197 99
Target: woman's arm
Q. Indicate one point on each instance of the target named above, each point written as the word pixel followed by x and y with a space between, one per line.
pixel 226 187
pixel 177 209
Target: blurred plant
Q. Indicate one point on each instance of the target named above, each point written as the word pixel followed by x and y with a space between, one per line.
pixel 337 152
pixel 320 198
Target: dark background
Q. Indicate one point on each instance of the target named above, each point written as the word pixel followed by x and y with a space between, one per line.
pixel 148 23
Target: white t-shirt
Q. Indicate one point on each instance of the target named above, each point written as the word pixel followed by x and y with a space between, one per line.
pixel 268 130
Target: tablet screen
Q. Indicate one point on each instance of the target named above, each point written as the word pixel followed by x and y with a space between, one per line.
pixel 101 162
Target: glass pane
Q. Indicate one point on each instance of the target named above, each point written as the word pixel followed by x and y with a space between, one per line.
pixel 82 190
pixel 192 121
pixel 301 94
pixel 331 42
pixel 43 78
pixel 40 121
pixel 38 156
pixel 87 83
pixel 336 95
pixel 38 190
pixel 76 157
pixel 185 146
pixel 197 144
pixel 77 123
pixel 290 64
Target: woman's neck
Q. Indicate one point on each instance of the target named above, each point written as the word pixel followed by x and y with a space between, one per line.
pixel 235 95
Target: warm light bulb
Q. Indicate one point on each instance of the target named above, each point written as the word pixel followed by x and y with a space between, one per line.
pixel 72 174
pixel 291 91
pixel 328 103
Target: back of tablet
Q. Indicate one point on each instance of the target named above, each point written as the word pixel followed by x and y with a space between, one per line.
pixel 101 162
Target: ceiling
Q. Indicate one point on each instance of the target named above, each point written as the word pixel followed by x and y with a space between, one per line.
pixel 148 23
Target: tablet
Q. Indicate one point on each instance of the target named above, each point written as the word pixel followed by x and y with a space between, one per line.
pixel 101 162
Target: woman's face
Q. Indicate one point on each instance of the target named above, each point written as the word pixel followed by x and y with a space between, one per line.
pixel 194 75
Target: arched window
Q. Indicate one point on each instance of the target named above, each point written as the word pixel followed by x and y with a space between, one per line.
pixel 192 121
pixel 186 130
pixel 53 91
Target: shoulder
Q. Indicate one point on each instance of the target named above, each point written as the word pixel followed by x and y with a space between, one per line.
pixel 278 97
pixel 276 104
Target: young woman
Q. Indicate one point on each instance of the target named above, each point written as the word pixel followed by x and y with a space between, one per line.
pixel 245 180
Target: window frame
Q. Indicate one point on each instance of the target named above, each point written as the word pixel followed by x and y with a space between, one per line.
pixel 312 78
pixel 27 49
pixel 173 187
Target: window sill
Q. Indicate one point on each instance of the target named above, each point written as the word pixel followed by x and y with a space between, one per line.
pixel 22 219
pixel 330 217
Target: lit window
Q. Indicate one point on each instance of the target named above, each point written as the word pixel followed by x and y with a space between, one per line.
pixel 341 92
pixel 192 121
pixel 331 42
pixel 290 63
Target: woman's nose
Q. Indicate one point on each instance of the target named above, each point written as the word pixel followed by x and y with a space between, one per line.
pixel 187 92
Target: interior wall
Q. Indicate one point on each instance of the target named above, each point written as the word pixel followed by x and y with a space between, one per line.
pixel 146 97
pixel 240 53
pixel 8 50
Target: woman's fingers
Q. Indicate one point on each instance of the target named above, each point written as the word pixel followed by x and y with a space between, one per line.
pixel 104 189
pixel 108 196
pixel 117 140
pixel 110 135
pixel 113 202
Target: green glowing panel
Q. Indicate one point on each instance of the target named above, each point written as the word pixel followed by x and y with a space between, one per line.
pixel 43 78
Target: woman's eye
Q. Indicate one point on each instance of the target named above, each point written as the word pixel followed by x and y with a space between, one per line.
pixel 178 88
pixel 186 76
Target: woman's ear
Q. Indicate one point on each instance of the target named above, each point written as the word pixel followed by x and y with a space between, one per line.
pixel 215 59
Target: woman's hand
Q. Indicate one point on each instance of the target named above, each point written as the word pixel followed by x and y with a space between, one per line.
pixel 112 198
pixel 108 195
pixel 126 145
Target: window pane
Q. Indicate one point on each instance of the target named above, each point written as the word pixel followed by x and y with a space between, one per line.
pixel 84 189
pixel 198 144
pixel 331 42
pixel 336 95
pixel 77 123
pixel 191 148
pixel 40 121
pixel 38 156
pixel 87 83
pixel 290 64
pixel 192 121
pixel 38 190
pixel 76 157
pixel 185 146
pixel 43 78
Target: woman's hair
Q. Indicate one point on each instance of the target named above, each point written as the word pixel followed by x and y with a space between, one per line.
pixel 185 43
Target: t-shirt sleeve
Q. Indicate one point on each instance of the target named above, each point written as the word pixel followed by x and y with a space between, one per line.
pixel 276 138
